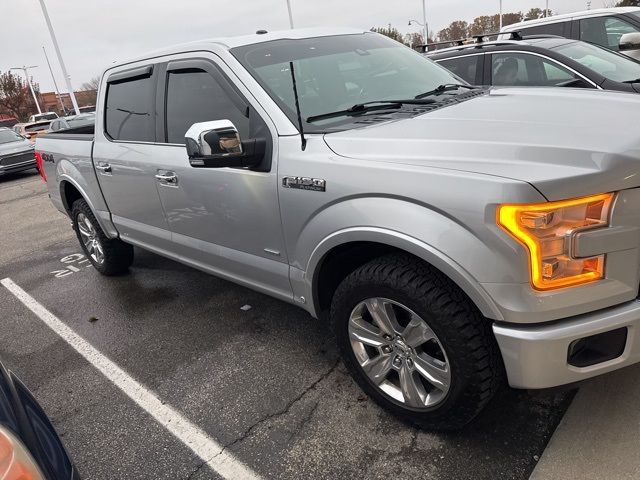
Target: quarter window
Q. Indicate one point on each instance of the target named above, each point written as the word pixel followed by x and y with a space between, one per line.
pixel 129 110
pixel 195 96
pixel 464 67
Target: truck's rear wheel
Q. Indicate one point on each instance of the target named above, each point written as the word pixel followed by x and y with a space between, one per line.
pixel 415 343
pixel 108 256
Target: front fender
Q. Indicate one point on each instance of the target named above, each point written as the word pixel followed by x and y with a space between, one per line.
pixel 438 239
pixel 413 246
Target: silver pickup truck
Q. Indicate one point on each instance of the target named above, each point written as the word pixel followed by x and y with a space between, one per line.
pixel 453 236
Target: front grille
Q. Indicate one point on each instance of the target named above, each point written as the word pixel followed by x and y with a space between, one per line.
pixel 15 158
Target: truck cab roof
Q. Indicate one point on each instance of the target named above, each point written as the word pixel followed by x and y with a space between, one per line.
pixel 228 43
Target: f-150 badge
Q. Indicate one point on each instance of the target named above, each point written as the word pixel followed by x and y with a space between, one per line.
pixel 305 183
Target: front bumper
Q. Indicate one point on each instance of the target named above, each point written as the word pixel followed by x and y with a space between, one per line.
pixel 18 167
pixel 536 356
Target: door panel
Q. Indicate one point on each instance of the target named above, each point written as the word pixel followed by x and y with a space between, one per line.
pixel 125 158
pixel 225 220
pixel 130 190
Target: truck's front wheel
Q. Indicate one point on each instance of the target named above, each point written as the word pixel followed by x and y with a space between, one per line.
pixel 415 343
pixel 108 256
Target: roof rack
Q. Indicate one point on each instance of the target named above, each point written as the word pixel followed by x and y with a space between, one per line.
pixel 468 41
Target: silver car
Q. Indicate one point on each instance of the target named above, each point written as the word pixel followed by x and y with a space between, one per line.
pixel 16 152
pixel 453 236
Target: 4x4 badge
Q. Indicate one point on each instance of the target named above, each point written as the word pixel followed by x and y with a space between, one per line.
pixel 305 183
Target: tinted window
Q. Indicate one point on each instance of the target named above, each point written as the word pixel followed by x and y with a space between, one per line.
pixel 464 67
pixel 195 96
pixel 521 69
pixel 129 110
pixel 607 63
pixel 557 28
pixel 605 31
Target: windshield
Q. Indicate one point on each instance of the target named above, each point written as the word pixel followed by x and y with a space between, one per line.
pixel 45 116
pixel 605 62
pixel 7 136
pixel 337 72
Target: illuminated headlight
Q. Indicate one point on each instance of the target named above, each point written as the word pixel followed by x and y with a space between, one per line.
pixel 546 230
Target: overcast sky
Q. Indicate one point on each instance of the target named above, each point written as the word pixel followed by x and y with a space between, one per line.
pixel 94 33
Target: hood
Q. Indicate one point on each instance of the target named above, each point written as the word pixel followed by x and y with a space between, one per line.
pixel 565 142
pixel 15 147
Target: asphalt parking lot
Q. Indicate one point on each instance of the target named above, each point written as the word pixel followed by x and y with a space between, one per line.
pixel 264 382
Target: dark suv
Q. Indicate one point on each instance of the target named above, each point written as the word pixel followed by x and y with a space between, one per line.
pixel 544 61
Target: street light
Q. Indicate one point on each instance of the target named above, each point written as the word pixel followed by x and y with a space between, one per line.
pixel 67 79
pixel 55 84
pixel 500 15
pixel 411 22
pixel 26 74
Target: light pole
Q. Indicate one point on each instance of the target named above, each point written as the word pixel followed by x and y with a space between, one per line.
pixel 546 10
pixel 55 84
pixel 500 15
pixel 290 14
pixel 26 74
pixel 424 22
pixel 67 79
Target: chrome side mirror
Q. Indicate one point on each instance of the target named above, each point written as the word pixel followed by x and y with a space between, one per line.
pixel 214 140
pixel 630 41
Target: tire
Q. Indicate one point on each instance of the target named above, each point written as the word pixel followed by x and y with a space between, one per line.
pixel 110 256
pixel 458 351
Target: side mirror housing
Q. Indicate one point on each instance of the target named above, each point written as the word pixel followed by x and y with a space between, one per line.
pixel 217 144
pixel 630 41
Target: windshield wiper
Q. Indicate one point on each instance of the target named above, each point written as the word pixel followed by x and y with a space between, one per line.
pixel 360 108
pixel 637 80
pixel 447 87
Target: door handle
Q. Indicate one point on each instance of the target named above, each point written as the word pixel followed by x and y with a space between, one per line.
pixel 167 178
pixel 104 168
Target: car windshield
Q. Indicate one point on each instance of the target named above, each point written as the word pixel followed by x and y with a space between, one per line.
pixel 45 116
pixel 8 136
pixel 605 62
pixel 334 73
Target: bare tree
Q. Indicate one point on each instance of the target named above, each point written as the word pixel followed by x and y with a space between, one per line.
pixel 92 84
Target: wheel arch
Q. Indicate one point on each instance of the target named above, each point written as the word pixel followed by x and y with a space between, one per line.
pixel 70 191
pixel 344 251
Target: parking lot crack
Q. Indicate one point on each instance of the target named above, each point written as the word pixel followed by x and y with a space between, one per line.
pixel 285 410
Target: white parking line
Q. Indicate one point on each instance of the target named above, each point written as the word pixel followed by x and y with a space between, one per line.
pixel 210 451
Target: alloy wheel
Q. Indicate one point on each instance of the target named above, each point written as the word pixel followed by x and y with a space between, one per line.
pixel 399 353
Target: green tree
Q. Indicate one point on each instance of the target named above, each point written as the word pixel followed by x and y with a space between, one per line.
pixel 628 3
pixel 535 13
pixel 390 32
pixel 15 96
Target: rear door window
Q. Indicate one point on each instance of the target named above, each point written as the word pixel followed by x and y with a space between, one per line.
pixel 605 31
pixel 129 111
pixel 558 28
pixel 464 67
pixel 524 69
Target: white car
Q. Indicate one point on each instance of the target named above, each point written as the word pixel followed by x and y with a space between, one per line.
pixel 615 28
pixel 43 116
